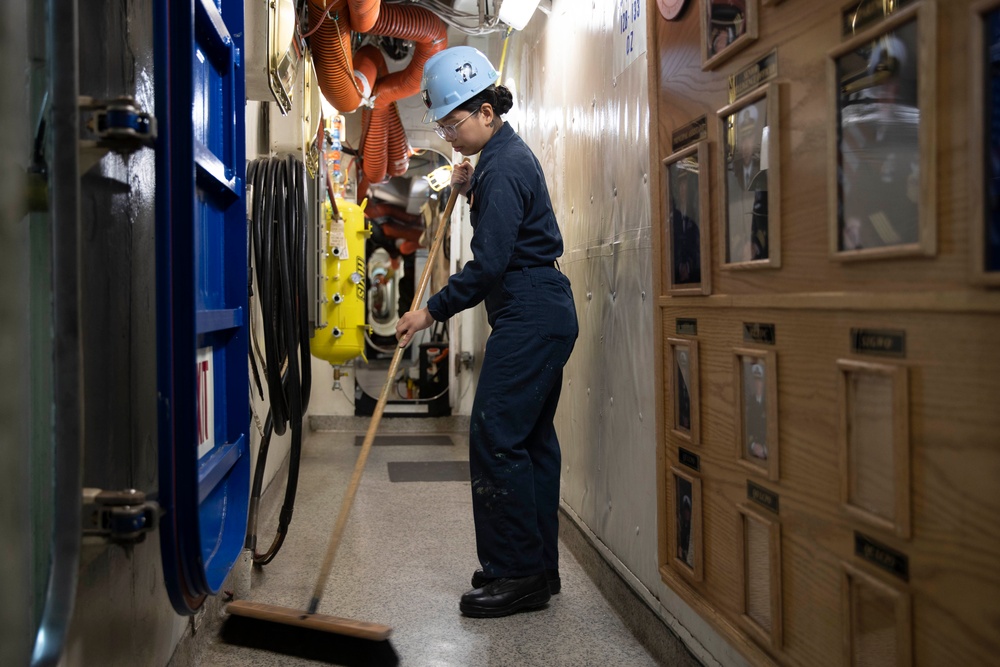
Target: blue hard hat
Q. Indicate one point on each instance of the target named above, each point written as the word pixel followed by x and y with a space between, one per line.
pixel 454 76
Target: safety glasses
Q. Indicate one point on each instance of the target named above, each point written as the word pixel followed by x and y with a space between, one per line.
pixel 450 132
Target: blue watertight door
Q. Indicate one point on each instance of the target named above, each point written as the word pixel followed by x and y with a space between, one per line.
pixel 201 256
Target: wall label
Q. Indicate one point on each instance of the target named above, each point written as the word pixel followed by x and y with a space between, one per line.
pixel 686 327
pixel 754 76
pixel 629 33
pixel 690 459
pixel 756 332
pixel 881 342
pixel 691 133
pixel 766 499
pixel 882 556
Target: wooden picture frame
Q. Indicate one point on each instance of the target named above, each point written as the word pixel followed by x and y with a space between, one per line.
pixel 685 393
pixel 882 148
pixel 985 147
pixel 759 556
pixel 684 500
pixel 756 410
pixel 874 442
pixel 877 620
pixel 725 30
pixel 750 194
pixel 687 266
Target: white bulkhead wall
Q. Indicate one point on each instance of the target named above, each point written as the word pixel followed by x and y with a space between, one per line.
pixel 585 114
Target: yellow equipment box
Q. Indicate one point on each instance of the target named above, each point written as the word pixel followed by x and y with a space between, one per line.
pixel 340 334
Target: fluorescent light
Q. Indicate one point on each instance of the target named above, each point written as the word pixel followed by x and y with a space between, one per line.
pixel 516 13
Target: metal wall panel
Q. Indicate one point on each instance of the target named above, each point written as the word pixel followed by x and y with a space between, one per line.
pixel 590 130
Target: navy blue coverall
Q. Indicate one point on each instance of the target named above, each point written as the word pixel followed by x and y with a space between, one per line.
pixel 514 455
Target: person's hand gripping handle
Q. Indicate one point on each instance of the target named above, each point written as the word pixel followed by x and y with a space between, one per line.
pixel 417 320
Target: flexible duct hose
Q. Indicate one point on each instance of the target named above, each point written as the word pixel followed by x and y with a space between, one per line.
pixel 364 13
pixel 331 50
pixel 280 251
pixel 399 147
pixel 415 24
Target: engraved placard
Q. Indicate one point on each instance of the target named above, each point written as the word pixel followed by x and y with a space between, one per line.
pixel 754 76
pixel 884 557
pixel 763 497
pixel 691 133
pixel 687 327
pixel 881 342
pixel 689 459
pixel 755 332
pixel 860 15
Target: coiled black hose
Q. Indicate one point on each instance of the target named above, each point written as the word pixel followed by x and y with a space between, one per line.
pixel 278 230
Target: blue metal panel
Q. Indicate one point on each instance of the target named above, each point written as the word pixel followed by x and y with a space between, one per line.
pixel 202 332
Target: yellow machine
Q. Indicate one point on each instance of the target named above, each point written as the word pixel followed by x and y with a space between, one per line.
pixel 340 334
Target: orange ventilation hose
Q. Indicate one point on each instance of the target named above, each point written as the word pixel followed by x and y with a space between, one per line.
pixel 399 147
pixel 364 13
pixel 338 72
pixel 415 24
pixel 331 50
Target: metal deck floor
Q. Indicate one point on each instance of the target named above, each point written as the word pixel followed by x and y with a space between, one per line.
pixel 406 558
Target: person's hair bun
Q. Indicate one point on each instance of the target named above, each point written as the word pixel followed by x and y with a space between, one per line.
pixel 505 100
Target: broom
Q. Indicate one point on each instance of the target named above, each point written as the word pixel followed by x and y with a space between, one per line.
pixel 310 618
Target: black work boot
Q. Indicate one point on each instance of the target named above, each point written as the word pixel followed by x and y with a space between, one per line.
pixel 479 579
pixel 502 597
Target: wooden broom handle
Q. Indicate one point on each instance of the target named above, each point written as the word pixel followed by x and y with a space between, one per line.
pixel 359 467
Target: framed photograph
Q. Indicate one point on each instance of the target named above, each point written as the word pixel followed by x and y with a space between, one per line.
pixel 756 383
pixel 727 26
pixel 685 538
pixel 875 444
pixel 882 148
pixel 684 391
pixel 751 193
pixel 877 621
pixel 760 575
pixel 985 142
pixel 686 251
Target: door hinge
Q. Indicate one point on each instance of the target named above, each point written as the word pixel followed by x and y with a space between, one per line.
pixel 123 517
pixel 116 125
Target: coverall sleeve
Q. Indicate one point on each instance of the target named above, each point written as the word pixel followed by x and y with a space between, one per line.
pixel 500 199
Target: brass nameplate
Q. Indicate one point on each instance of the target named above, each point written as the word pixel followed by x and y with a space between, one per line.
pixel 881 342
pixel 882 556
pixel 687 327
pixel 754 76
pixel 691 133
pixel 860 15
pixel 690 459
pixel 763 497
pixel 755 332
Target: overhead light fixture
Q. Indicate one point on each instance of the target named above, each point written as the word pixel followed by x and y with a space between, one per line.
pixel 516 13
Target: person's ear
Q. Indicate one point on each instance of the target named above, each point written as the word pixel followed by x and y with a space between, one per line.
pixel 487 112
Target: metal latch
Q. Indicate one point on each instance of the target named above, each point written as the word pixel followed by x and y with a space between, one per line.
pixel 123 516
pixel 116 125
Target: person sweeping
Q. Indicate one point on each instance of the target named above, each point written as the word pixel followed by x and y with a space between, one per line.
pixel 514 454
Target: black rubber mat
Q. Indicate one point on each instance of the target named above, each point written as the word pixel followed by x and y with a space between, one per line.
pixel 428 471
pixel 397 440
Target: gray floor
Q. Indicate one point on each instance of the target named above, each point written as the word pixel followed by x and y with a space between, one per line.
pixel 405 560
